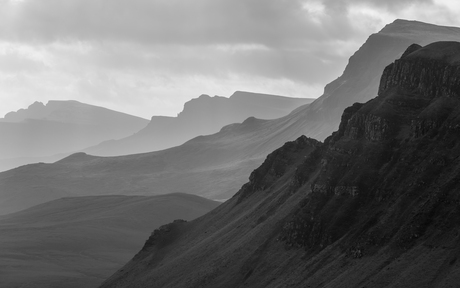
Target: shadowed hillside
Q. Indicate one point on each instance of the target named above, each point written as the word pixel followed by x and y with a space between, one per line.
pixel 376 205
pixel 78 242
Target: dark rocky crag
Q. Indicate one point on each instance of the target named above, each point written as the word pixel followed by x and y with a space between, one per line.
pixel 376 205
pixel 388 175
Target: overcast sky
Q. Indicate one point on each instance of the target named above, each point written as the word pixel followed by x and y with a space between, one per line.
pixel 148 57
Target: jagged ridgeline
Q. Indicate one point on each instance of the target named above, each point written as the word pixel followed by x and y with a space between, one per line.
pixel 376 205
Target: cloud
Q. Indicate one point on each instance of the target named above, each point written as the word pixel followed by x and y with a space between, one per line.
pixel 294 64
pixel 177 36
pixel 160 53
pixel 277 24
pixel 273 23
pixel 392 5
pixel 158 22
pixel 14 62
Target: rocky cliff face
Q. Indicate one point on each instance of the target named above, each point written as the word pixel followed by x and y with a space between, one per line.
pixel 387 174
pixel 427 75
pixel 277 164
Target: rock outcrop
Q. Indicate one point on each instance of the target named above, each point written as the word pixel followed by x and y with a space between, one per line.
pixel 424 73
pixel 277 164
pixel 398 148
pixel 162 236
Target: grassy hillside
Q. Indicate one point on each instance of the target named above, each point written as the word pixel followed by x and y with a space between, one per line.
pixel 78 242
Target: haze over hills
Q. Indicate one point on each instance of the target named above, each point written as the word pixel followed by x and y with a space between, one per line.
pixel 376 205
pixel 214 166
pixel 72 111
pixel 201 116
pixel 59 127
pixel 209 166
pixel 88 125
pixel 78 242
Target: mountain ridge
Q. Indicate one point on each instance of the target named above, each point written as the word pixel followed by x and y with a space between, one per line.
pixel 54 110
pixel 200 116
pixel 59 127
pixel 375 205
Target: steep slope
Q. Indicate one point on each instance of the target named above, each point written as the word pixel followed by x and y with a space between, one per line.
pixel 201 116
pixel 78 242
pixel 213 166
pixel 376 205
pixel 360 80
pixel 59 127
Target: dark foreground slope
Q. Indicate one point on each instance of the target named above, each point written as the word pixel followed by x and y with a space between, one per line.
pixel 78 242
pixel 376 205
pixel 214 166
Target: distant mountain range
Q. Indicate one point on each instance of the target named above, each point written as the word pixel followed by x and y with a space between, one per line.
pixel 215 166
pixel 75 112
pixel 375 205
pixel 60 127
pixel 201 116
pixel 78 242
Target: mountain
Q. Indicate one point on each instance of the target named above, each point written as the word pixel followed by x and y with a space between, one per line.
pixel 60 127
pixel 214 166
pixel 72 111
pixel 78 242
pixel 375 205
pixel 360 79
pixel 201 116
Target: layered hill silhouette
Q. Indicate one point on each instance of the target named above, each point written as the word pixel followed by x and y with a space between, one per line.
pixel 215 165
pixel 375 205
pixel 59 127
pixel 201 116
pixel 78 242
pixel 210 166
